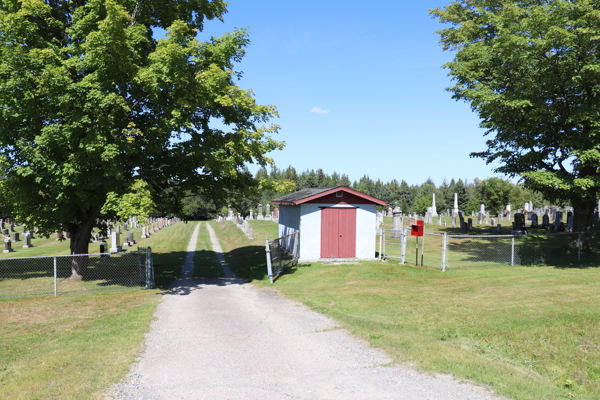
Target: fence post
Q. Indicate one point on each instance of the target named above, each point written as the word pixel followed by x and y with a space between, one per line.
pixel 579 247
pixel 269 268
pixel 512 253
pixel 55 288
pixel 296 240
pixel 444 250
pixel 380 242
pixel 403 240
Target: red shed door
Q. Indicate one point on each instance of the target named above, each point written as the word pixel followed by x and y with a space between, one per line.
pixel 338 232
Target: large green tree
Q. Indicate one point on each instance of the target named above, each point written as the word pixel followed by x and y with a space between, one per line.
pixel 531 70
pixel 90 101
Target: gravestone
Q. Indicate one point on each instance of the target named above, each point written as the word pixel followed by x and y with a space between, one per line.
pixel 12 226
pixel 534 220
pixel 498 228
pixel 493 221
pixel 433 207
pixel 14 236
pixel 7 245
pixel 453 220
pixel 455 208
pixel 570 221
pixel 390 212
pixel 397 210
pixel 27 238
pixel 470 224
pixel 439 220
pixel 260 212
pixel 2 224
pixel 557 218
pixel 397 224
pixel 5 232
pixel 251 216
pixel 115 242
pixel 464 227
pixel 545 221
pixel 481 209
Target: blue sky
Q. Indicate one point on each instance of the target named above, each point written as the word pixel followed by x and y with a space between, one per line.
pixel 359 87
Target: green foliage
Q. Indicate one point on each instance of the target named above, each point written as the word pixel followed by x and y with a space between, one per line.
pixel 420 206
pixel 136 202
pixel 530 70
pixel 91 102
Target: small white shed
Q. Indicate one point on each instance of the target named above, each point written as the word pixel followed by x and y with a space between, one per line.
pixel 334 222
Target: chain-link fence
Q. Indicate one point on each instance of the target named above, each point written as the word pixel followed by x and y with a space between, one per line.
pixel 561 250
pixel 81 273
pixel 282 253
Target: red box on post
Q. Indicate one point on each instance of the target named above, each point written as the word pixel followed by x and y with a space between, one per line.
pixel 418 229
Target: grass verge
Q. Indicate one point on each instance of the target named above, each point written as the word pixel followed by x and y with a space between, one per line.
pixel 246 257
pixel 206 264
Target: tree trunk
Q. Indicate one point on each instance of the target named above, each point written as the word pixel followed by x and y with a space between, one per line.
pixel 80 242
pixel 584 220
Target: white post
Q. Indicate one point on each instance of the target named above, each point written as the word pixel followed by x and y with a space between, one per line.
pixel 55 289
pixel 443 256
pixel 380 242
pixel 403 240
pixel 269 268
pixel 296 244
pixel 512 253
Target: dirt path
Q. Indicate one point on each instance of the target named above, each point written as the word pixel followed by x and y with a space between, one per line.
pixel 217 249
pixel 224 339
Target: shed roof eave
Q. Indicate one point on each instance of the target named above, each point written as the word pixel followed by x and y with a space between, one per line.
pixel 330 191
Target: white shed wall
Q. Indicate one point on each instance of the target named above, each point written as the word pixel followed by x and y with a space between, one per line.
pixel 310 226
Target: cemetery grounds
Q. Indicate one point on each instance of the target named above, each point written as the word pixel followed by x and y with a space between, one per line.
pixel 527 332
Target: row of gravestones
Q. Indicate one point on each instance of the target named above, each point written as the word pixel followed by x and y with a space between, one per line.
pixel 154 225
pixel 269 216
pixel 243 225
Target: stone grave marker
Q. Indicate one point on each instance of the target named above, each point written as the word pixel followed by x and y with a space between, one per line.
pixel 14 236
pixel 27 239
pixel 7 245
pixel 115 242
pixel 470 224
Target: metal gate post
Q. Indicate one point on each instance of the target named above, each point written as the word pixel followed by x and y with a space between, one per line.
pixel 55 288
pixel 512 253
pixel 380 242
pixel 443 255
pixel 403 240
pixel 296 243
pixel 269 268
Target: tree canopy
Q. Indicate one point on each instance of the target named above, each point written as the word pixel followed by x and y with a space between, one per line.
pixel 90 101
pixel 531 70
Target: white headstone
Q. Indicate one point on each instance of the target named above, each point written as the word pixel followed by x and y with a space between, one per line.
pixel 115 242
pixel 433 207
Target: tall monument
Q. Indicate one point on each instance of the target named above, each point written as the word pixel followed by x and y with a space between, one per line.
pixel 433 209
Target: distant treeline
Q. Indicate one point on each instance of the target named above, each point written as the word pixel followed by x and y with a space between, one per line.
pixel 494 193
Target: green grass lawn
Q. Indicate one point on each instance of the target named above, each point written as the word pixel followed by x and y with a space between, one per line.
pixel 76 346
pixel 529 333
pixel 246 257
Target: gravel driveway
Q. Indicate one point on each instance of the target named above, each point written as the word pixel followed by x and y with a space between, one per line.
pixel 225 339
